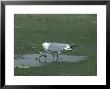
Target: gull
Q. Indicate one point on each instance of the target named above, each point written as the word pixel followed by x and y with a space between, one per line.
pixel 54 48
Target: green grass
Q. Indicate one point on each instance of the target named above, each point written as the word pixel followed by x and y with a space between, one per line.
pixel 32 30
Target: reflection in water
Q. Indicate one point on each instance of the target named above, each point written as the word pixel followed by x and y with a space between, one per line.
pixel 30 60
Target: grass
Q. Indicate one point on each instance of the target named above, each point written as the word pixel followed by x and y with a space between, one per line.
pixel 31 30
pixel 58 68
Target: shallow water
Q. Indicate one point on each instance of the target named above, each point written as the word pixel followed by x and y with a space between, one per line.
pixel 29 60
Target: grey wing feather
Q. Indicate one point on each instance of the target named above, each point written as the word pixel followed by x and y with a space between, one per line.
pixel 55 47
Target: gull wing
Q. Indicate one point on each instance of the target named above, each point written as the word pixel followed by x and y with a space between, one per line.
pixel 56 47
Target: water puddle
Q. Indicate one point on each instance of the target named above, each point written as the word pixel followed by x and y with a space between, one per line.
pixel 27 61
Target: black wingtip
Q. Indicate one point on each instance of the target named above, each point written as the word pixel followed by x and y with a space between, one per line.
pixel 73 46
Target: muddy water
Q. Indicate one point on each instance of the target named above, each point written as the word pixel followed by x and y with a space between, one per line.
pixel 30 59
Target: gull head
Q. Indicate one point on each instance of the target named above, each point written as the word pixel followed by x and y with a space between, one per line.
pixel 46 45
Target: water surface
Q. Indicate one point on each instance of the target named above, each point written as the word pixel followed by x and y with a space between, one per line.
pixel 30 59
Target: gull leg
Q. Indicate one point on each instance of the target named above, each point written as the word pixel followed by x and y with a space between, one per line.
pixel 39 58
pixel 36 59
pixel 57 58
pixel 53 55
